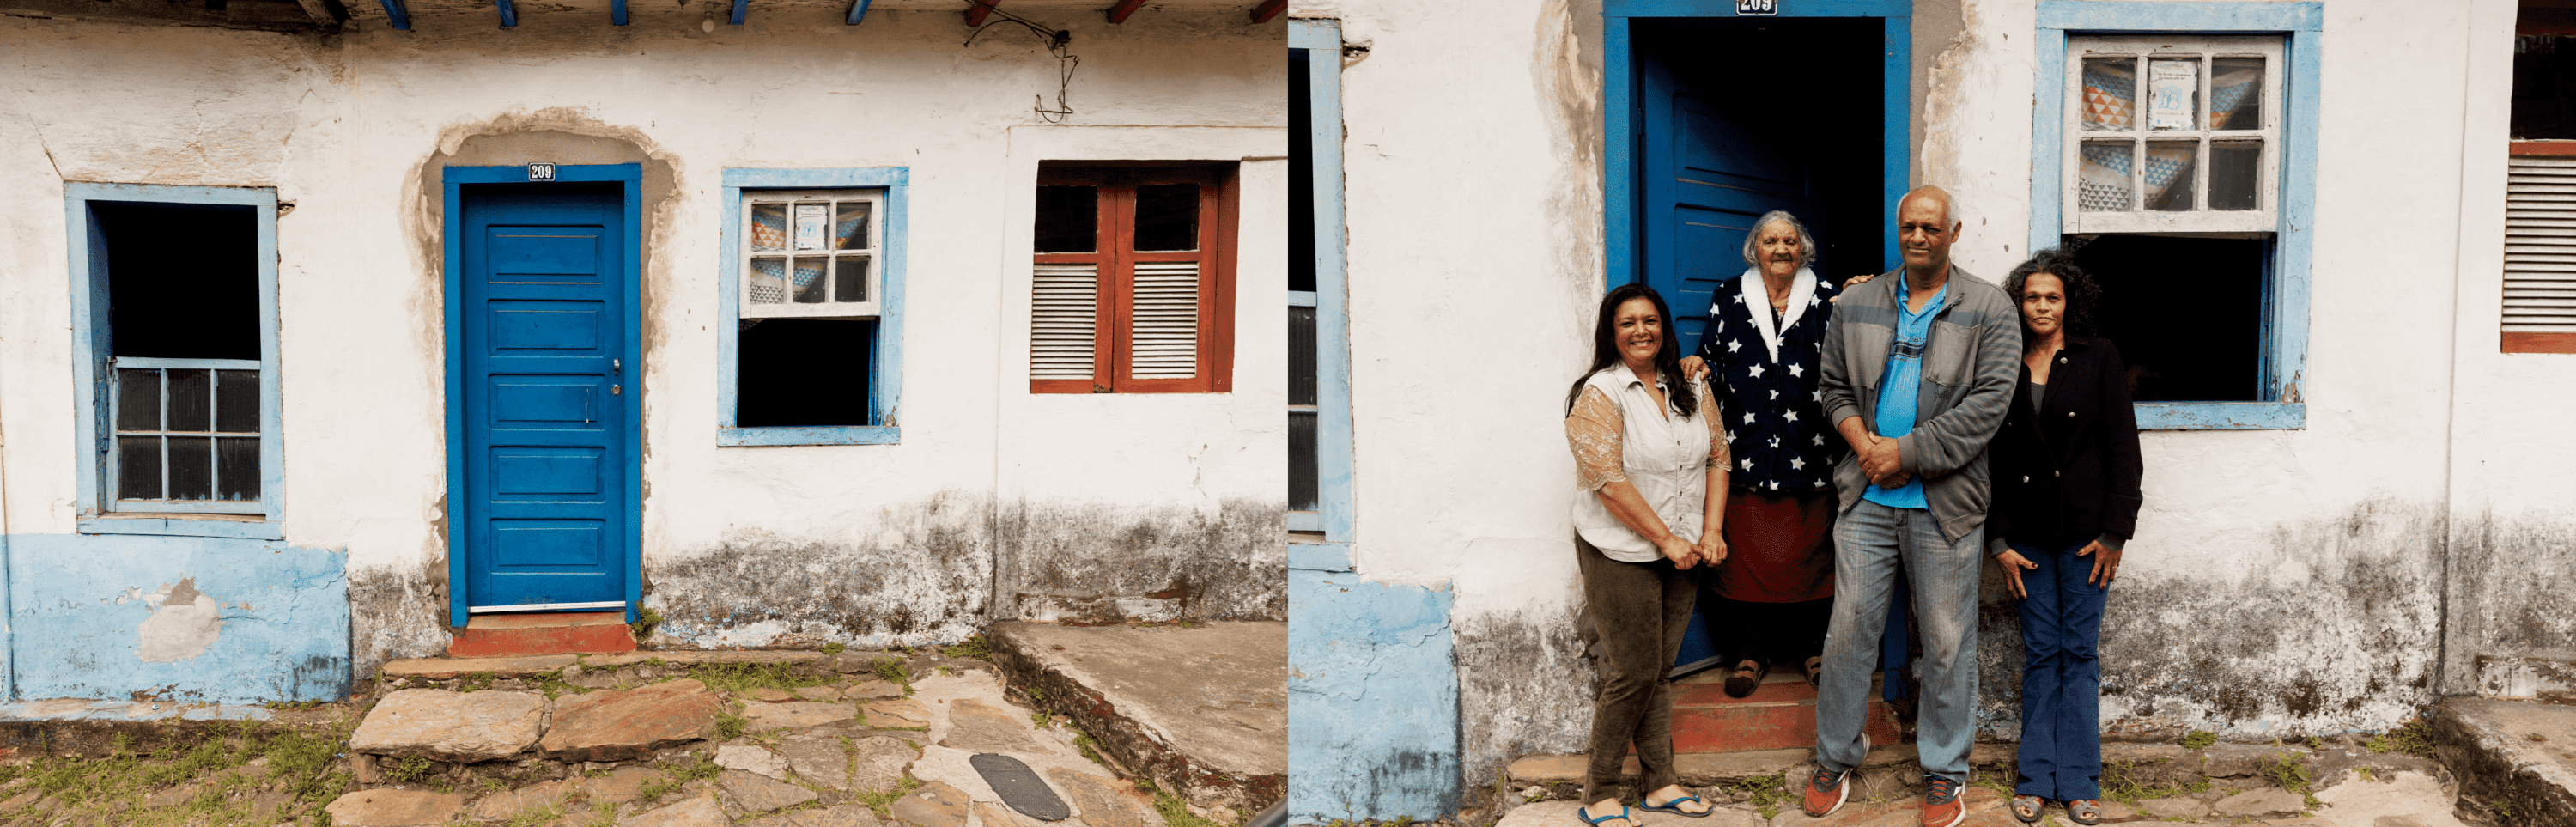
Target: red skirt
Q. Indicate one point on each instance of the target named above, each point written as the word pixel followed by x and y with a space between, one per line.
pixel 1779 547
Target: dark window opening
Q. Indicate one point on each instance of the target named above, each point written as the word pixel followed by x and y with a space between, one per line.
pixel 182 282
pixel 803 372
pixel 2186 313
pixel 1167 217
pixel 1301 175
pixel 2544 87
pixel 1068 219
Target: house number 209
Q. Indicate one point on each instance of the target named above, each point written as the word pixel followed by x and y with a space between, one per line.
pixel 1757 7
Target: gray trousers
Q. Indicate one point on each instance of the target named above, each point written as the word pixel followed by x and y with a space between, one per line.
pixel 1640 611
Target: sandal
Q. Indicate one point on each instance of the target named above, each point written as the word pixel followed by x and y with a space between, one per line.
pixel 1816 671
pixel 1586 815
pixel 1747 677
pixel 2084 811
pixel 2027 808
pixel 1675 807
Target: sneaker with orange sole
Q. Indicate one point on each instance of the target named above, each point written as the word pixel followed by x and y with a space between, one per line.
pixel 1941 804
pixel 1826 792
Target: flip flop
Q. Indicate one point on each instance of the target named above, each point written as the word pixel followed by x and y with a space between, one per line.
pixel 1674 807
pixel 2084 811
pixel 1815 669
pixel 2034 804
pixel 1586 814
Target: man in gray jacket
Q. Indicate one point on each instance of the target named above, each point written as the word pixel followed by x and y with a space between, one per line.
pixel 1919 367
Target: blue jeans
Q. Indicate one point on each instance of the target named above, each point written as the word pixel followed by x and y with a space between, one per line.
pixel 1871 542
pixel 2061 676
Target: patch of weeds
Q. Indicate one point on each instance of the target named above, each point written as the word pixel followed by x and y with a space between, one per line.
pixel 653 792
pixel 882 801
pixel 1083 742
pixel 2415 737
pixel 2120 783
pixel 737 678
pixel 1767 795
pixel 410 771
pixel 1041 720
pixel 704 768
pixel 730 721
pixel 644 623
pixel 894 671
pixel 2365 773
pixel 2503 808
pixel 603 814
pixel 2199 739
pixel 835 648
pixel 475 682
pixel 1177 814
pixel 552 683
pixel 2287 770
pixel 547 814
pixel 1037 693
pixel 974 648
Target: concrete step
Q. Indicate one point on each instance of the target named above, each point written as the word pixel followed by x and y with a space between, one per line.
pixel 1200 710
pixel 1780 714
pixel 2516 760
pixel 542 633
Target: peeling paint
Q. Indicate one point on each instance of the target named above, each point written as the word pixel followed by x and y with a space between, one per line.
pixel 1375 677
pixel 1526 687
pixel 183 625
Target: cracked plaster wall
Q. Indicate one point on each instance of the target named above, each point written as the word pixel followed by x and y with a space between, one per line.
pixel 2283 582
pixel 892 543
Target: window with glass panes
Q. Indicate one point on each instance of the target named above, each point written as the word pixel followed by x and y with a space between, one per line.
pixel 187 435
pixel 1132 284
pixel 2172 135
pixel 810 253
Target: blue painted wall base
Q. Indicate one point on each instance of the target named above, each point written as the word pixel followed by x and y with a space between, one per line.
pixel 1372 702
pixel 188 619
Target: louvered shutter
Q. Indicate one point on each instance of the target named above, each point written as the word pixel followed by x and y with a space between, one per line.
pixel 1166 331
pixel 2540 245
pixel 1064 328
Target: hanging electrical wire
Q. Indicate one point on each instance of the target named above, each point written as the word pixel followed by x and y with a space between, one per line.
pixel 1056 39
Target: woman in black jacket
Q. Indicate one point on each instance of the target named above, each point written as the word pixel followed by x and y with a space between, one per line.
pixel 2066 473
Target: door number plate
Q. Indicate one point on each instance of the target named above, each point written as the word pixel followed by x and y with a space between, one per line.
pixel 546 172
pixel 1757 7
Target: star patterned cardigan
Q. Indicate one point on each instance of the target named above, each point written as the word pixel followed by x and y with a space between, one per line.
pixel 1774 413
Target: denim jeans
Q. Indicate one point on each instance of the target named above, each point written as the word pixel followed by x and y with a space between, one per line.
pixel 1640 610
pixel 1871 542
pixel 2061 675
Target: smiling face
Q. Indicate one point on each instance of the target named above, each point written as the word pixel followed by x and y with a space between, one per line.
pixel 2043 304
pixel 1639 332
pixel 1778 251
pixel 1924 232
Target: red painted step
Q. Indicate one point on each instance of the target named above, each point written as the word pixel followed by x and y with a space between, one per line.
pixel 545 633
pixel 1780 714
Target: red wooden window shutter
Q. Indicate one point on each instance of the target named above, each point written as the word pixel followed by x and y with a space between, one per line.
pixel 1132 287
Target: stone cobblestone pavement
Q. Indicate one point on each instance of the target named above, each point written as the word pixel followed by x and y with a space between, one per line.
pixel 2406 799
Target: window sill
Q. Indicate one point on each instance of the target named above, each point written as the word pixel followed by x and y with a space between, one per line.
pixel 812 435
pixel 1309 550
pixel 2221 416
pixel 184 526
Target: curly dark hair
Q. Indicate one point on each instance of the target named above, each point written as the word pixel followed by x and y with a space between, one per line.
pixel 2082 292
pixel 1605 347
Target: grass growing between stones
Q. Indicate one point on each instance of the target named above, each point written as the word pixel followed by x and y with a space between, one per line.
pixel 743 677
pixel 882 801
pixel 2199 739
pixel 215 782
pixel 1177 814
pixel 2415 737
pixel 1766 793
pixel 2120 783
pixel 973 648
pixel 2289 770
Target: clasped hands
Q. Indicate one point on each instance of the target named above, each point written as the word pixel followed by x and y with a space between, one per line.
pixel 1880 461
pixel 1711 549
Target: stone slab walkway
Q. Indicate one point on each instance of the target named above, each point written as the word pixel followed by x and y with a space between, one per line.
pixel 2517 758
pixel 807 740
pixel 2407 799
pixel 1199 709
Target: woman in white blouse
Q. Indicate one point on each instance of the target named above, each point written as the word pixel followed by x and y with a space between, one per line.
pixel 1650 480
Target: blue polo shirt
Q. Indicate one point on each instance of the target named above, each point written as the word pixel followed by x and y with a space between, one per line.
pixel 1901 384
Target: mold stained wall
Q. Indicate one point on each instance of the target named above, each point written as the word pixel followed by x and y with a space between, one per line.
pixel 743 545
pixel 2284 581
pixel 2511 528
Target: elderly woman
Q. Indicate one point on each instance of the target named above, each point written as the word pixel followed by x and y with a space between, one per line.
pixel 1764 343
pixel 1650 483
pixel 2066 473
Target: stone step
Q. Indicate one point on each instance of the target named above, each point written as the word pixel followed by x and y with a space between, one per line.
pixel 1199 710
pixel 2518 754
pixel 542 633
pixel 1780 714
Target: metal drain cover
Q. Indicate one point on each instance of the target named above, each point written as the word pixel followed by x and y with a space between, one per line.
pixel 1020 787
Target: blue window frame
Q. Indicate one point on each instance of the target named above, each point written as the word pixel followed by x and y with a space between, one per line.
pixel 2285 301
pixel 1331 512
pixel 183 445
pixel 885 187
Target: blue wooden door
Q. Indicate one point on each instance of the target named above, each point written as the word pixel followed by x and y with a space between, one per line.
pixel 1709 172
pixel 549 445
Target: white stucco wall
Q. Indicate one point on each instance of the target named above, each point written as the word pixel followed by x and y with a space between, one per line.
pixel 343 125
pixel 2282 580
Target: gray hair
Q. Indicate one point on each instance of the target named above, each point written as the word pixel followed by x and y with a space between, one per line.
pixel 1753 239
